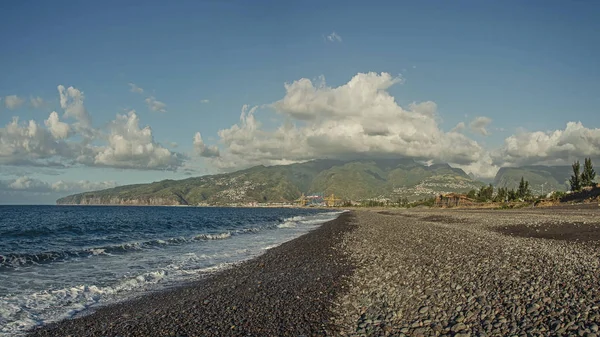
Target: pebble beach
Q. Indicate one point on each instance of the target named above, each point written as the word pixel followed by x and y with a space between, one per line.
pixel 428 272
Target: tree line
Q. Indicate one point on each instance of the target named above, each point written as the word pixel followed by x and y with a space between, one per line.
pixel 583 179
pixel 503 194
pixel 579 179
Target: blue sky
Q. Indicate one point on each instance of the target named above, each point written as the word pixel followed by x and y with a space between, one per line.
pixel 513 72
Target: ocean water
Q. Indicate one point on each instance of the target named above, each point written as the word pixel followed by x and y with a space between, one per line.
pixel 60 261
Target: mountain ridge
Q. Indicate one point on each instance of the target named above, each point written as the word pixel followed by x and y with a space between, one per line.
pixel 541 178
pixel 350 180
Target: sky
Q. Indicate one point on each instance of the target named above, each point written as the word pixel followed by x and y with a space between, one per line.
pixel 100 94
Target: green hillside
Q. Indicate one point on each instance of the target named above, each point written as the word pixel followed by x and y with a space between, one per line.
pixel 350 180
pixel 546 178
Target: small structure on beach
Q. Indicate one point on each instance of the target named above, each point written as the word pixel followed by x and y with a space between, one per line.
pixel 316 199
pixel 332 201
pixel 453 200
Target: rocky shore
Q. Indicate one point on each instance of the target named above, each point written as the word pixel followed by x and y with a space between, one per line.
pixel 531 272
pixel 473 273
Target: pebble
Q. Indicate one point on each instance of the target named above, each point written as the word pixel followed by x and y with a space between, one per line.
pixel 479 281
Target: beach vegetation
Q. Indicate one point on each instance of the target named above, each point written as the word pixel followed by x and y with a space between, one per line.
pixel 588 175
pixel 575 179
pixel 485 193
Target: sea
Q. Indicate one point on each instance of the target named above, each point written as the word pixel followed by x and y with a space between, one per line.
pixel 59 262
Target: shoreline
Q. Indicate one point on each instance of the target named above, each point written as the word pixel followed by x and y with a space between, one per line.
pixel 287 291
pixel 420 272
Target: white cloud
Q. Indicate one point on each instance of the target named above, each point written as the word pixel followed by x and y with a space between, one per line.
pixel 202 149
pixel 13 102
pixel 123 144
pixel 459 127
pixel 334 37
pixel 58 129
pixel 135 88
pixel 155 105
pixel 129 146
pixel 204 101
pixel 484 167
pixel 551 147
pixel 28 184
pixel 81 185
pixel 479 125
pixel 428 108
pixel 151 101
pixel 357 119
pixel 37 102
pixel 29 143
pixel 71 100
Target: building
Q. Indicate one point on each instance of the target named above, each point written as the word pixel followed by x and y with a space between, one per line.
pixel 453 200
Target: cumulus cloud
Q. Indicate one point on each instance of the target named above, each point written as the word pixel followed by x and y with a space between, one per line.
pixel 37 102
pixel 28 143
pixel 71 100
pixel 130 146
pixel 58 129
pixel 459 127
pixel 156 105
pixel 483 168
pixel 135 88
pixel 334 37
pixel 479 124
pixel 202 149
pixel 13 102
pixel 357 119
pixel 57 143
pixel 428 108
pixel 28 184
pixel 550 147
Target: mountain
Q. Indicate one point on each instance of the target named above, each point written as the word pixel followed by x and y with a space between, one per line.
pixel 541 178
pixel 349 180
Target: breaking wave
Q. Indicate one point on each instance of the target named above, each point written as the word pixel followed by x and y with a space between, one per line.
pixel 27 259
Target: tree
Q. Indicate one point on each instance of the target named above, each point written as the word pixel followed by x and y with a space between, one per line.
pixel 512 195
pixel 501 195
pixel 402 201
pixel 523 191
pixel 588 175
pixel 485 193
pixel 472 194
pixel 575 179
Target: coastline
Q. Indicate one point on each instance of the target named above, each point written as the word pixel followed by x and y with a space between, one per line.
pixel 287 291
pixel 420 272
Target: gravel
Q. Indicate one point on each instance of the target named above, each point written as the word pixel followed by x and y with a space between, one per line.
pixel 472 273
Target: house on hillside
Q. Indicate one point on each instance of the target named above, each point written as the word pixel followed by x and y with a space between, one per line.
pixel 453 200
